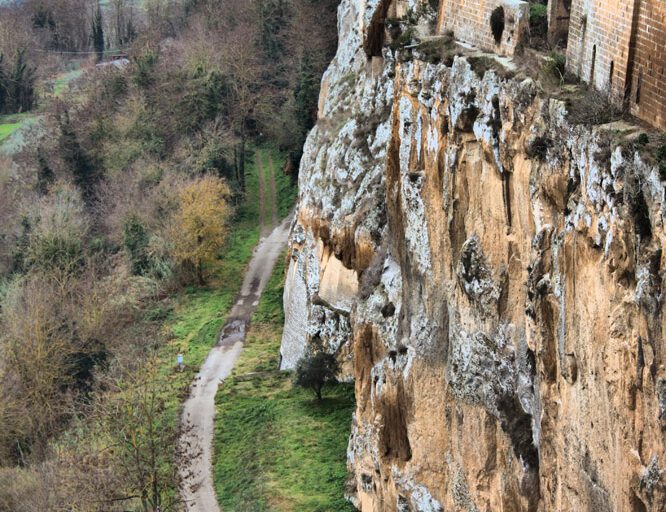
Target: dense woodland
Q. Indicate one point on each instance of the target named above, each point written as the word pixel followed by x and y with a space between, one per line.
pixel 122 197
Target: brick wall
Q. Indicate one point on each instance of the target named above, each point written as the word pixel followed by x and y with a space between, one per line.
pixel 619 46
pixel 470 22
pixel 648 83
pixel 598 44
pixel 559 15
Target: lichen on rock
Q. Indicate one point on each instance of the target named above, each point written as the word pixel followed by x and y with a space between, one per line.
pixel 505 333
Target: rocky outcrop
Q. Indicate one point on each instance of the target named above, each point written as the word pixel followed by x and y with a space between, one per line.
pixel 492 273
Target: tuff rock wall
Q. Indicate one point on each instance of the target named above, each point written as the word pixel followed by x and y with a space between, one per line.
pixel 492 277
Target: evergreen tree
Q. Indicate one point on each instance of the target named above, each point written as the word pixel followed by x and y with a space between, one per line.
pixel 45 175
pixel 98 32
pixel 3 85
pixel 78 161
pixel 272 14
pixel 136 245
pixel 306 95
pixel 19 86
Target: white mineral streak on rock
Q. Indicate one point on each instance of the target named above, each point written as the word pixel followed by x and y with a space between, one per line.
pixel 493 270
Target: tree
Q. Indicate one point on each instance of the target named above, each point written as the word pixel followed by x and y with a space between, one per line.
pixel 4 84
pixel 76 158
pixel 307 95
pixel 244 70
pixel 147 440
pixel 123 23
pixel 17 85
pixel 37 352
pixel 315 369
pixel 136 244
pixel 200 224
pixel 98 32
pixel 45 175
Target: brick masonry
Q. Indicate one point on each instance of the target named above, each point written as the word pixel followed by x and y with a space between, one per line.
pixel 470 22
pixel 619 46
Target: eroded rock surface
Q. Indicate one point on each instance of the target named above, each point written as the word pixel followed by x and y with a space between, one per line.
pixel 493 276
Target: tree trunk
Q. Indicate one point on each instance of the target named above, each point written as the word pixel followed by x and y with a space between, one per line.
pixel 241 161
pixel 200 275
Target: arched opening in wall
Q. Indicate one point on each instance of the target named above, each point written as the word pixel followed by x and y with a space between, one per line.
pixel 639 86
pixel 593 65
pixel 610 77
pixel 559 16
pixel 498 23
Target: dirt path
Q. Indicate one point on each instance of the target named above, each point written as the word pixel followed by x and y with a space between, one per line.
pixel 274 193
pixel 197 489
pixel 264 228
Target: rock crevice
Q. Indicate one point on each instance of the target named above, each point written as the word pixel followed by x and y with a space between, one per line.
pixel 491 274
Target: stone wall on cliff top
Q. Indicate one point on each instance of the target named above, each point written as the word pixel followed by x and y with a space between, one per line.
pixel 492 276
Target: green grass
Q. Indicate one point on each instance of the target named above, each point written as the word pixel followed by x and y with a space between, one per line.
pixel 287 191
pixel 62 81
pixel 12 122
pixel 6 129
pixel 276 447
pixel 193 324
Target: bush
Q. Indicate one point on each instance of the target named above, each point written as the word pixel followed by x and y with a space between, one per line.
pixel 555 67
pixel 136 244
pixel 58 232
pixel 643 139
pixel 144 68
pixel 316 369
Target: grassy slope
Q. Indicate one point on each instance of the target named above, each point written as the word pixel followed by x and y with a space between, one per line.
pixel 10 123
pixel 276 448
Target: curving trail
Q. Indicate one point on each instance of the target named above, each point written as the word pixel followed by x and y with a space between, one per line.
pixel 197 489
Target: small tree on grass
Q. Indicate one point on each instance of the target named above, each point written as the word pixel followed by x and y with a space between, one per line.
pixel 316 369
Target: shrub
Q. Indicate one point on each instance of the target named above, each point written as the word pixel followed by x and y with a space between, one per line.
pixel 143 70
pixel 438 50
pixel 404 39
pixel 643 139
pixel 136 244
pixel 539 147
pixel 591 109
pixel 661 153
pixel 538 19
pixel 59 229
pixel 555 66
pixel 316 369
pixel 538 26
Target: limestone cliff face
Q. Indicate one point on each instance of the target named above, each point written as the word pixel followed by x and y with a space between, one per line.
pixel 492 275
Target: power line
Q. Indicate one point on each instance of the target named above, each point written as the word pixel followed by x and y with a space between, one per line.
pixel 78 53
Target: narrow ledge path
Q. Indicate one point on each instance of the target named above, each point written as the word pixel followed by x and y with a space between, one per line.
pixel 197 488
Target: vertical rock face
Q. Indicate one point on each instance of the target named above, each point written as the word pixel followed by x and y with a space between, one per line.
pixel 493 276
